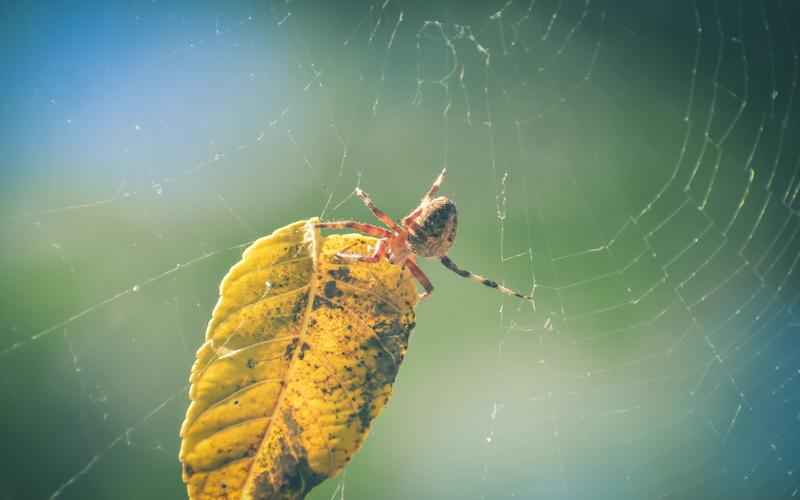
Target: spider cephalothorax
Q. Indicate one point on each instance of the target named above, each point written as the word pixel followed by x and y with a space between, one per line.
pixel 428 231
pixel 432 232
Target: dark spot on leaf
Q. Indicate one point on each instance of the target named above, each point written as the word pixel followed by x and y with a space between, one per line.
pixel 382 308
pixel 331 291
pixel 384 364
pixel 320 301
pixel 299 307
pixel 264 487
pixel 287 354
pixel 365 414
pixel 295 477
pixel 251 363
pixel 303 349
pixel 387 330
pixel 388 346
pixel 291 424
pixel 341 273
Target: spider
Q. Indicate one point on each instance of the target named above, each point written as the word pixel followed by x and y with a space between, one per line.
pixel 428 231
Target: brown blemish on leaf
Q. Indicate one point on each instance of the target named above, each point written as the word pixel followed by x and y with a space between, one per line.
pixel 320 301
pixel 303 349
pixel 331 291
pixel 294 477
pixel 291 423
pixel 264 487
pixel 382 308
pixel 386 365
pixel 299 307
pixel 287 354
pixel 341 273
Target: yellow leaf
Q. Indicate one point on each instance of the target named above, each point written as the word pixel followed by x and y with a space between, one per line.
pixel 300 355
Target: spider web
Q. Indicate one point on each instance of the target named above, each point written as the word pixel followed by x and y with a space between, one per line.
pixel 633 164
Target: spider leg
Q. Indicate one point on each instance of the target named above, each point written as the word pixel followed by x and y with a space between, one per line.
pixel 420 276
pixel 409 219
pixel 380 214
pixel 449 264
pixel 369 229
pixel 375 256
pixel 435 186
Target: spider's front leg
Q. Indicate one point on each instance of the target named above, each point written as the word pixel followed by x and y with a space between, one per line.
pixel 368 229
pixel 380 214
pixel 435 186
pixel 408 220
pixel 375 256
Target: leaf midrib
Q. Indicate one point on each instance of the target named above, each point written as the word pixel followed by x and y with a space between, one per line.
pixel 311 230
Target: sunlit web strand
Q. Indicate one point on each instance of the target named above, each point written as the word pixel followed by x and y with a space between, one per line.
pixel 114 442
pixel 133 289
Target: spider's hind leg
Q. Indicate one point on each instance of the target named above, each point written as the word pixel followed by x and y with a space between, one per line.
pixel 449 264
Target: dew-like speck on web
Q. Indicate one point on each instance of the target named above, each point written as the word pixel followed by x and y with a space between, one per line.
pixel 495 409
pixel 267 289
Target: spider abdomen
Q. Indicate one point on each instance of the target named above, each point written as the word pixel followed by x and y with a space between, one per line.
pixel 434 230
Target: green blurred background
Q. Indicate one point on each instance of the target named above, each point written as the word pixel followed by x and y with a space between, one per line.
pixel 635 163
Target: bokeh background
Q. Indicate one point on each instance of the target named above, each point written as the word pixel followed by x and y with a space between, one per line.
pixel 635 164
